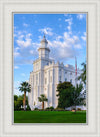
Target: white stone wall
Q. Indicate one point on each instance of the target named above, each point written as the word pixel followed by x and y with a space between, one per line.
pixel 45 80
pixel 45 77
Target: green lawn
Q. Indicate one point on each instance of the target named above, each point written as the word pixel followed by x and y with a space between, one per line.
pixel 49 117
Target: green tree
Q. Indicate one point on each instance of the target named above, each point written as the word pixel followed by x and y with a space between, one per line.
pixel 83 74
pixel 68 95
pixel 25 87
pixel 42 98
pixel 77 97
pixel 19 102
pixel 64 94
pixel 15 97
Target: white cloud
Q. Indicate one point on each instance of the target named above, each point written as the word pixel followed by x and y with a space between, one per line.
pixel 25 43
pixel 69 21
pixel 35 44
pixel 23 74
pixel 85 33
pixel 24 48
pixel 24 40
pixel 25 25
pixel 59 19
pixel 80 16
pixel 40 37
pixel 58 37
pixel 21 36
pixel 65 46
pixel 78 46
pixel 69 27
pixel 16 54
pixel 47 31
pixel 16 67
pixel 76 39
pixel 84 36
pixel 17 48
pixel 66 35
pixel 61 48
pixel 62 53
pixel 15 35
pixel 64 41
pixel 31 51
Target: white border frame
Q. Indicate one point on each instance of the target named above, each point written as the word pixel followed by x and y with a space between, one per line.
pixel 92 7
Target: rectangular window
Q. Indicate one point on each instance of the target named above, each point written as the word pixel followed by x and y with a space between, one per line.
pixel 71 80
pixel 65 79
pixel 59 78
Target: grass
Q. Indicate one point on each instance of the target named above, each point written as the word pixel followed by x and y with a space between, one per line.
pixel 49 117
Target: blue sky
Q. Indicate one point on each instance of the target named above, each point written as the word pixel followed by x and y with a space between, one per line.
pixel 66 35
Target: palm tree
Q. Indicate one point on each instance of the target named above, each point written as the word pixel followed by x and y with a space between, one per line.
pixel 25 87
pixel 83 75
pixel 42 98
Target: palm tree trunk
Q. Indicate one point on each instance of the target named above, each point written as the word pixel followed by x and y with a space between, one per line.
pixel 43 105
pixel 24 102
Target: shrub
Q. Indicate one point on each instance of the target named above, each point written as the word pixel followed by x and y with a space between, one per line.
pixel 28 108
pixel 59 109
pixel 79 109
pixel 73 108
pixel 51 108
pixel 36 109
pixel 47 108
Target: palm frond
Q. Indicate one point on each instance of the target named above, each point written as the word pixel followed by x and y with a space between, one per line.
pixel 25 87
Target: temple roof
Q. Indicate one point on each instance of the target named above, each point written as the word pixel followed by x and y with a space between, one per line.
pixel 44 40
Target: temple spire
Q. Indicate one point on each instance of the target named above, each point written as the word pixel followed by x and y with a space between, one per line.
pixel 44 35
pixel 44 49
pixel 44 41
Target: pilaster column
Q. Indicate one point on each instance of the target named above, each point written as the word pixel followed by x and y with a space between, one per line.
pixel 48 87
pixel 53 87
pixel 63 76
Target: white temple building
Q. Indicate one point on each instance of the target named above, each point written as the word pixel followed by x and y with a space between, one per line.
pixel 46 75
